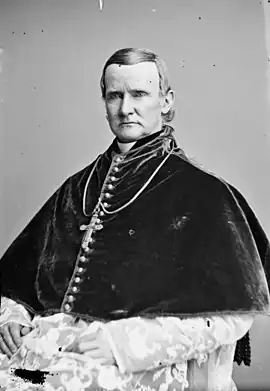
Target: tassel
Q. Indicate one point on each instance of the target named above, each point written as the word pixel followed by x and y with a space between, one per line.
pixel 243 351
pixel 247 350
pixel 237 354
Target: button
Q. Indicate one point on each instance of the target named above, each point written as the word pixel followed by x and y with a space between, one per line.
pixel 106 204
pixel 101 213
pixel 80 270
pixel 84 246
pixel 115 169
pixel 67 307
pixel 77 279
pixel 113 287
pixel 83 259
pixel 71 298
pixel 113 178
pixel 87 249
pixel 75 289
pixel 110 187
pixel 107 195
pixel 118 159
pixel 98 221
pixel 98 227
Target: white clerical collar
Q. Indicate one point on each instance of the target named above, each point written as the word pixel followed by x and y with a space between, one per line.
pixel 125 147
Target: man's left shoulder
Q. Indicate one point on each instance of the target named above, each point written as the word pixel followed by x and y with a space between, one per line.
pixel 200 178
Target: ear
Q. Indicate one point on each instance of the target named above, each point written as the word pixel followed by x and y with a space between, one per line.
pixel 167 102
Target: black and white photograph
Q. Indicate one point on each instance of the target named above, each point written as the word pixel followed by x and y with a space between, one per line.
pixel 135 195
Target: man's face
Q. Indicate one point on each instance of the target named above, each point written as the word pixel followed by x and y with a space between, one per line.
pixel 133 102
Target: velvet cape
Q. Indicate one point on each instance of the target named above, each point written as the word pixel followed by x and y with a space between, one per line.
pixel 187 245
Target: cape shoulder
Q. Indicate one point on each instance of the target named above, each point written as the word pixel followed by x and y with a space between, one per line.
pixel 35 229
pixel 204 182
pixel 209 182
pixel 216 189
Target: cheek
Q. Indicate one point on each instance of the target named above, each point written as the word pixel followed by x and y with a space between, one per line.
pixel 111 111
pixel 150 109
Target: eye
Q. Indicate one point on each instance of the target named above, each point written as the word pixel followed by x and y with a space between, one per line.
pixel 112 95
pixel 139 94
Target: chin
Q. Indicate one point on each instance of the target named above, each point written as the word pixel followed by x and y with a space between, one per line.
pixel 127 139
pixel 129 133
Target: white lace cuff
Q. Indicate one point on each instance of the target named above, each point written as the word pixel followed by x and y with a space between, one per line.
pixel 143 344
pixel 11 311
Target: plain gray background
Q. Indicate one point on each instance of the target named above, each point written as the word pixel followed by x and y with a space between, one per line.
pixel 52 116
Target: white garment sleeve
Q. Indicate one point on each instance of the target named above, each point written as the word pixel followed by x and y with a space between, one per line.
pixel 11 311
pixel 142 344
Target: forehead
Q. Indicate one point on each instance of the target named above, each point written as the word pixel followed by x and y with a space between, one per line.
pixel 142 74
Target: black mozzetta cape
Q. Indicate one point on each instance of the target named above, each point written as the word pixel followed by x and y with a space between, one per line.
pixel 141 233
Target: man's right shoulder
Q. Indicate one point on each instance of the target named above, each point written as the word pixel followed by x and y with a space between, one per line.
pixel 78 180
pixel 82 174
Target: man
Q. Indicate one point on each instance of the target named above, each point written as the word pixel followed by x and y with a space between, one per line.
pixel 142 271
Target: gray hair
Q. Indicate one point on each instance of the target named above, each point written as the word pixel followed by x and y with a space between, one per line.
pixel 132 56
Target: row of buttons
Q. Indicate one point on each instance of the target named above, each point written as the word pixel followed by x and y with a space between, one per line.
pixel 110 186
pixel 77 280
pixel 94 225
pixel 112 178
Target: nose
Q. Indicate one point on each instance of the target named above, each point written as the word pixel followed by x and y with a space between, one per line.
pixel 126 107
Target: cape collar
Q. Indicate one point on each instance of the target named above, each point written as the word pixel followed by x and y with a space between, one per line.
pixel 138 160
pixel 149 143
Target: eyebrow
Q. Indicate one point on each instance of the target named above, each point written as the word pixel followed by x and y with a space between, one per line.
pixel 131 90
